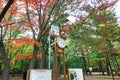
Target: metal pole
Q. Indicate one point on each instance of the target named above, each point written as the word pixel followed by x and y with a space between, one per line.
pixel 49 49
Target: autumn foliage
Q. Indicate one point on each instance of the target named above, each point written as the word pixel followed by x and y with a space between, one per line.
pixel 26 56
pixel 107 5
pixel 23 41
pixel 40 2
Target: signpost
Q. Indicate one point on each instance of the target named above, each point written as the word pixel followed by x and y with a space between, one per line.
pixel 90 69
pixel 54 30
pixel 59 44
pixel 40 74
pixel 76 74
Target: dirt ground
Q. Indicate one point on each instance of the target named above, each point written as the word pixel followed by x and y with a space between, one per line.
pixel 14 78
pixel 88 77
pixel 20 78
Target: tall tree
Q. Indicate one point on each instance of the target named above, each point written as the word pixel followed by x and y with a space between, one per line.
pixel 4 56
pixel 49 12
pixel 41 15
pixel 85 32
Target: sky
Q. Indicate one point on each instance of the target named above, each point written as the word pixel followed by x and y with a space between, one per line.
pixel 117 10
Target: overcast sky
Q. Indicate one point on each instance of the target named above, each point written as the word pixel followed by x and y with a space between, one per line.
pixel 117 10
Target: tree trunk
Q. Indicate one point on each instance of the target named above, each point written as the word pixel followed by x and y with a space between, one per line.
pixel 43 60
pixel 32 63
pixel 84 63
pixel 115 63
pixel 35 51
pixel 4 56
pixel 101 68
pixel 89 66
pixel 108 66
pixel 44 51
pixel 5 62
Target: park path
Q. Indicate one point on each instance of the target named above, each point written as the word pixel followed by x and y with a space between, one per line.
pixel 98 77
pixel 88 77
pixel 93 78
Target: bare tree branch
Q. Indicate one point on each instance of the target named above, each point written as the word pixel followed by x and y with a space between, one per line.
pixel 5 9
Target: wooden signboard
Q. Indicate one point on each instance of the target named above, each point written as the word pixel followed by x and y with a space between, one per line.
pixel 40 74
pixel 76 74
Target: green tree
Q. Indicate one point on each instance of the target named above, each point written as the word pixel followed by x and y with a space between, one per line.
pixel 91 35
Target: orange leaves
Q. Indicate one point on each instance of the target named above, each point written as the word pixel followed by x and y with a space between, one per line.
pixel 46 3
pixel 26 56
pixel 13 10
pixel 64 28
pixel 111 3
pixel 44 14
pixel 28 1
pixel 40 2
pixel 5 21
pixel 51 2
pixel 107 5
pixel 27 24
pixel 23 41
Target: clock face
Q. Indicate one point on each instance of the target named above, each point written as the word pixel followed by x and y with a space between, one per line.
pixel 60 42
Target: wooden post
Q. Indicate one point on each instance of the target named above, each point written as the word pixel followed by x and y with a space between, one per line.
pixel 64 66
pixel 61 51
pixel 55 71
pixel 28 75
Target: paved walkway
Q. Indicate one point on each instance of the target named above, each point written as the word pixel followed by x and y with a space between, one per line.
pixel 91 77
pixel 88 77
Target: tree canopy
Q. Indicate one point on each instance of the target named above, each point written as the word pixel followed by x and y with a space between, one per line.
pixel 25 24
